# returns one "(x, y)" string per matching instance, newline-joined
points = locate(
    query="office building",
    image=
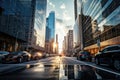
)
(56, 42)
(77, 35)
(70, 42)
(51, 24)
(21, 23)
(40, 23)
(75, 8)
(14, 23)
(28, 14)
(64, 46)
(100, 23)
(50, 32)
(47, 35)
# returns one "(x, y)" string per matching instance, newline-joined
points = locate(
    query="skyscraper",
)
(28, 13)
(20, 14)
(47, 35)
(40, 22)
(69, 42)
(56, 51)
(23, 18)
(75, 8)
(50, 32)
(51, 24)
(99, 23)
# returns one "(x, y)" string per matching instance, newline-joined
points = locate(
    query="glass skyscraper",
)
(100, 21)
(51, 24)
(40, 21)
(16, 23)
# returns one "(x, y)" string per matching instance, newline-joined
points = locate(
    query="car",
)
(110, 55)
(84, 56)
(17, 57)
(36, 55)
(2, 54)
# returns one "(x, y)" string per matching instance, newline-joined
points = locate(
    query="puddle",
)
(60, 72)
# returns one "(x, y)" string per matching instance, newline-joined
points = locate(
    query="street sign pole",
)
(98, 44)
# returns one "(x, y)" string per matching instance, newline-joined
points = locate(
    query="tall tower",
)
(70, 42)
(56, 38)
(50, 31)
(51, 24)
(57, 43)
(75, 8)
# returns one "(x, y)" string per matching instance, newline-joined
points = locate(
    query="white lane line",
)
(61, 70)
(96, 67)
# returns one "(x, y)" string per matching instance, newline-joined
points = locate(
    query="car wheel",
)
(117, 64)
(97, 61)
(19, 60)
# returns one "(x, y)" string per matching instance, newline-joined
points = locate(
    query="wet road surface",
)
(57, 68)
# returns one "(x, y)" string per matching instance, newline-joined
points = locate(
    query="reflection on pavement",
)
(84, 72)
(59, 72)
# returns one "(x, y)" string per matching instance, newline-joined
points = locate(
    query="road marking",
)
(96, 66)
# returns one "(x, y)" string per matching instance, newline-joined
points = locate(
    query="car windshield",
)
(3, 52)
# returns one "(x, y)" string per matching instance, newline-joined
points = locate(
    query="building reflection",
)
(85, 72)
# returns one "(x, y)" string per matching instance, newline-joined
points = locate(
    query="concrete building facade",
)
(70, 42)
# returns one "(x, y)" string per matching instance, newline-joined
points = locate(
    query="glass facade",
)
(76, 33)
(11, 16)
(17, 21)
(40, 21)
(51, 25)
(100, 20)
(47, 35)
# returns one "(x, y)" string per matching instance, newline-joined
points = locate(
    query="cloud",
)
(66, 16)
(61, 27)
(57, 14)
(63, 6)
(51, 4)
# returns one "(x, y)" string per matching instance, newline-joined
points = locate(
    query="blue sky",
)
(64, 13)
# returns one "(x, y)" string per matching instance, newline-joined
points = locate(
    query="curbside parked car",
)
(84, 56)
(36, 55)
(3, 54)
(109, 55)
(17, 57)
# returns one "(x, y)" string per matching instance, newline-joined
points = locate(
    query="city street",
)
(59, 39)
(57, 68)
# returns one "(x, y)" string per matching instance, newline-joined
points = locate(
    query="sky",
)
(64, 14)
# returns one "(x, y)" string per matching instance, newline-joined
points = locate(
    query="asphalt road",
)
(57, 68)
